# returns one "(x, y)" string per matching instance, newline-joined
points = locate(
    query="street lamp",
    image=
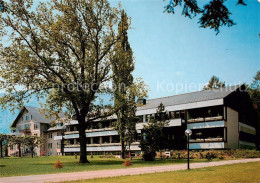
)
(188, 133)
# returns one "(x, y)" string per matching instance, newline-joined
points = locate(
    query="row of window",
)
(97, 140)
(27, 118)
(170, 115)
(50, 145)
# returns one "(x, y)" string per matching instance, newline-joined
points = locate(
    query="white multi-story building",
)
(219, 119)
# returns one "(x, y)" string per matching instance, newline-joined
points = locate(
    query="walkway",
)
(115, 172)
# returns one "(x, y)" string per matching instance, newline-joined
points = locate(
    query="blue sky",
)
(172, 50)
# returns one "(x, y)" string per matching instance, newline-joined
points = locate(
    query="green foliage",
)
(61, 51)
(209, 156)
(3, 143)
(125, 89)
(213, 15)
(214, 83)
(153, 136)
(32, 142)
(19, 141)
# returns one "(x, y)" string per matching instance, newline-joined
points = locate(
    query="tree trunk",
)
(130, 151)
(83, 142)
(32, 152)
(1, 144)
(122, 146)
(6, 151)
(19, 149)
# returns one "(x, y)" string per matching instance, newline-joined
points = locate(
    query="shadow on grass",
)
(2, 166)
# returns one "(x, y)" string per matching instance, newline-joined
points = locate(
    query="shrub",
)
(127, 163)
(209, 156)
(58, 164)
(149, 155)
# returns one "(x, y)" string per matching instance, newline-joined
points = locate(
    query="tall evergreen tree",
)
(153, 137)
(125, 89)
(214, 83)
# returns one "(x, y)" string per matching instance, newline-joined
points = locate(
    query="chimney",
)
(141, 101)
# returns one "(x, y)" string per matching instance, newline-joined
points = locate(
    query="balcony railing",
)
(218, 139)
(200, 119)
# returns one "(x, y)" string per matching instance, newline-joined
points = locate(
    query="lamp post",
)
(188, 133)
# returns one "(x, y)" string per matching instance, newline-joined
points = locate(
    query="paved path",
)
(116, 172)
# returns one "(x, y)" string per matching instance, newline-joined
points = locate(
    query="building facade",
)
(32, 121)
(219, 119)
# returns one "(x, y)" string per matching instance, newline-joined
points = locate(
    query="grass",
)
(45, 165)
(245, 172)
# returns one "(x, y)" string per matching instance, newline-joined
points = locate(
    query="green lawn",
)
(44, 165)
(249, 172)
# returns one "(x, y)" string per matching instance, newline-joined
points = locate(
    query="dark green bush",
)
(210, 155)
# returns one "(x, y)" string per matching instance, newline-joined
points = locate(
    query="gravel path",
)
(115, 172)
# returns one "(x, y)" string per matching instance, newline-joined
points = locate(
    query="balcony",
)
(100, 129)
(200, 119)
(26, 130)
(100, 147)
(57, 137)
(92, 134)
(195, 120)
(175, 122)
(213, 124)
(208, 145)
(218, 139)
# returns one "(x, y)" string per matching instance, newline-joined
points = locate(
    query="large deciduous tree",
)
(60, 50)
(214, 13)
(126, 90)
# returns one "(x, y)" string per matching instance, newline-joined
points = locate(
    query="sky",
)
(173, 55)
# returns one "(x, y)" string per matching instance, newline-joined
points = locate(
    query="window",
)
(35, 134)
(177, 114)
(71, 141)
(27, 126)
(105, 139)
(36, 126)
(26, 118)
(50, 135)
(22, 118)
(31, 117)
(96, 140)
(49, 145)
(172, 116)
(115, 139)
(71, 128)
